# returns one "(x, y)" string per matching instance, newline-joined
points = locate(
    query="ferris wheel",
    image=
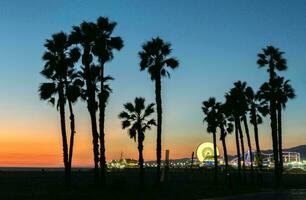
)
(205, 152)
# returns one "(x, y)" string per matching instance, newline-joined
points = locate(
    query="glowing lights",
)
(205, 152)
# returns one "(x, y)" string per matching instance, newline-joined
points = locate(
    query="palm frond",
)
(133, 133)
(126, 124)
(73, 92)
(47, 90)
(149, 110)
(130, 107)
(124, 115)
(116, 43)
(172, 63)
(139, 104)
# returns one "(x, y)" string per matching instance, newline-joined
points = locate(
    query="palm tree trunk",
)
(246, 127)
(225, 154)
(215, 157)
(258, 152)
(192, 158)
(72, 128)
(242, 149)
(95, 141)
(64, 134)
(238, 148)
(280, 145)
(274, 124)
(255, 125)
(91, 106)
(102, 105)
(140, 159)
(159, 126)
(274, 141)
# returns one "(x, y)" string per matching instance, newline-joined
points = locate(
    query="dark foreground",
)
(181, 184)
(291, 194)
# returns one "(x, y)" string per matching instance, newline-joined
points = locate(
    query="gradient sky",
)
(216, 43)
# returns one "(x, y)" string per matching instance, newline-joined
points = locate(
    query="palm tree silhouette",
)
(284, 92)
(74, 86)
(85, 35)
(210, 110)
(58, 69)
(136, 118)
(229, 111)
(244, 98)
(256, 111)
(103, 49)
(155, 58)
(226, 127)
(272, 58)
(237, 106)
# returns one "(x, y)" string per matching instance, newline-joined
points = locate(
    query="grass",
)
(123, 184)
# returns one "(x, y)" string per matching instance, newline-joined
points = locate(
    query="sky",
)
(215, 41)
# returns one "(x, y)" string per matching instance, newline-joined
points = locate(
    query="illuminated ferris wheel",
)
(205, 152)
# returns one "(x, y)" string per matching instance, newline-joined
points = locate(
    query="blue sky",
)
(216, 43)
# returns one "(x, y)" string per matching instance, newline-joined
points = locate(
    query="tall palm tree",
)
(226, 127)
(284, 92)
(272, 58)
(136, 118)
(103, 48)
(73, 85)
(210, 110)
(59, 61)
(244, 99)
(85, 35)
(256, 111)
(155, 57)
(230, 112)
(236, 103)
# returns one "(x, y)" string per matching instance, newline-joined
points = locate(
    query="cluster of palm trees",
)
(242, 103)
(92, 44)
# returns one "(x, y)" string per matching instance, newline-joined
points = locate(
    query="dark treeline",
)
(92, 44)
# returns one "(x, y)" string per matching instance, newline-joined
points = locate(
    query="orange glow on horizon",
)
(34, 149)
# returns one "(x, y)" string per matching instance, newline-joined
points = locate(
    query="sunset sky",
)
(216, 43)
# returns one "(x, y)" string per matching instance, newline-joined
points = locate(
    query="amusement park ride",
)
(205, 155)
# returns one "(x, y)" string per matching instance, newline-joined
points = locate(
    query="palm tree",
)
(210, 110)
(284, 92)
(237, 106)
(256, 111)
(85, 35)
(136, 118)
(73, 85)
(273, 58)
(229, 111)
(155, 58)
(103, 49)
(226, 127)
(59, 62)
(244, 99)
